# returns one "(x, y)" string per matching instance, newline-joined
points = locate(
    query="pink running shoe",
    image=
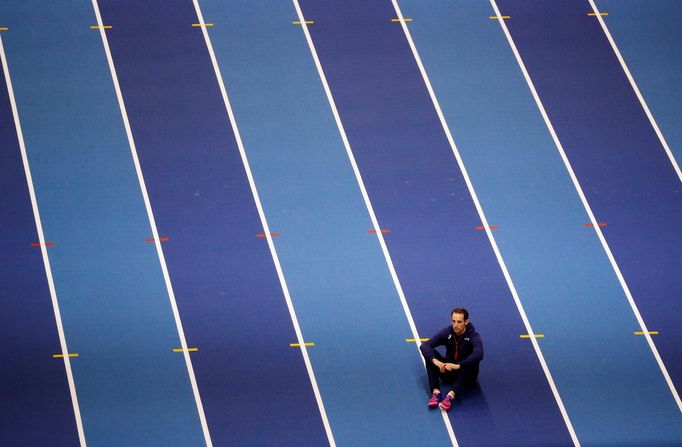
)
(435, 399)
(446, 403)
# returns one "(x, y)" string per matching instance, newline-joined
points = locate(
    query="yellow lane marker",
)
(411, 340)
(398, 20)
(294, 345)
(503, 17)
(528, 336)
(97, 27)
(4, 29)
(595, 15)
(188, 349)
(199, 24)
(307, 22)
(650, 333)
(61, 356)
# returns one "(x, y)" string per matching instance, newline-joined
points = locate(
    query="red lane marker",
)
(481, 227)
(151, 239)
(271, 234)
(47, 244)
(375, 231)
(601, 224)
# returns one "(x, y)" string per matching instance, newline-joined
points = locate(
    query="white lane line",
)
(152, 223)
(266, 228)
(588, 209)
(649, 115)
(43, 250)
(365, 195)
(491, 238)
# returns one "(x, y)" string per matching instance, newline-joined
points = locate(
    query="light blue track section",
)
(341, 288)
(649, 39)
(132, 389)
(558, 265)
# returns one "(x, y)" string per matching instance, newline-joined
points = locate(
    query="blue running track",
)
(132, 389)
(620, 163)
(419, 194)
(210, 184)
(339, 281)
(36, 406)
(552, 257)
(224, 277)
(649, 39)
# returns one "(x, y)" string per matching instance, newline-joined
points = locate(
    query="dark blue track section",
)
(254, 387)
(418, 193)
(36, 406)
(620, 163)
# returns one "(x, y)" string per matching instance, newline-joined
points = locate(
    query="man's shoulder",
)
(444, 333)
(471, 333)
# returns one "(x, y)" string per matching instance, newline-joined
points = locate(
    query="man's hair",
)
(460, 310)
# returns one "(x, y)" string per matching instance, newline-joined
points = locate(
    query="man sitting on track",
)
(459, 367)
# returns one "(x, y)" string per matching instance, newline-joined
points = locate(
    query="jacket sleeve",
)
(477, 354)
(428, 347)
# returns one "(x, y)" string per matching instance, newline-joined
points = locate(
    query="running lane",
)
(558, 265)
(254, 386)
(338, 277)
(419, 194)
(649, 39)
(132, 389)
(36, 405)
(626, 176)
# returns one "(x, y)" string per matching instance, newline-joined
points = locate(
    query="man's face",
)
(459, 324)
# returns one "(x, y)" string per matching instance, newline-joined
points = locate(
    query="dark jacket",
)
(465, 350)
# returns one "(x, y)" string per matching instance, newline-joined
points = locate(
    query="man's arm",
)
(428, 347)
(477, 354)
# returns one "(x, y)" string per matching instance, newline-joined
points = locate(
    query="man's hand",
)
(442, 367)
(450, 367)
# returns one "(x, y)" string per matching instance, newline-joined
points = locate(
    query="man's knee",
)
(467, 378)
